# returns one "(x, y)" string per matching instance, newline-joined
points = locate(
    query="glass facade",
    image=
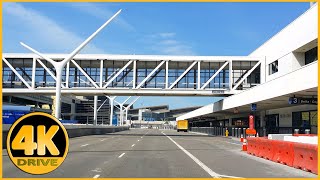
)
(273, 67)
(311, 55)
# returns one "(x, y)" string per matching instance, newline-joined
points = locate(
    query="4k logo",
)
(37, 143)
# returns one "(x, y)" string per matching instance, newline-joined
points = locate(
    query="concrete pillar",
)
(262, 119)
(121, 115)
(73, 111)
(95, 110)
(230, 122)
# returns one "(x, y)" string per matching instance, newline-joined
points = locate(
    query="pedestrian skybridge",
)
(141, 75)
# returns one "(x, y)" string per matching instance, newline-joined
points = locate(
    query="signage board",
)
(253, 107)
(300, 100)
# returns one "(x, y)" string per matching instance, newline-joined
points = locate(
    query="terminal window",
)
(273, 67)
(311, 55)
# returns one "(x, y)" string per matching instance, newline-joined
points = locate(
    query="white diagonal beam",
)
(16, 73)
(102, 104)
(85, 73)
(116, 75)
(183, 74)
(39, 54)
(151, 73)
(246, 75)
(48, 70)
(214, 75)
(132, 102)
(82, 45)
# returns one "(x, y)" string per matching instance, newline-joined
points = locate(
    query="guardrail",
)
(74, 131)
(214, 131)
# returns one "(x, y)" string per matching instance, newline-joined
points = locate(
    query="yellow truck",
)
(182, 125)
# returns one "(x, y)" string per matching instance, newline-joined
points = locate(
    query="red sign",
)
(251, 122)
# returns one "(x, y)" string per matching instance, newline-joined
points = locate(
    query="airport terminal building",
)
(286, 98)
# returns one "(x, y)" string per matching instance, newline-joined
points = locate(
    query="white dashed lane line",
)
(83, 145)
(96, 176)
(133, 145)
(121, 155)
(102, 139)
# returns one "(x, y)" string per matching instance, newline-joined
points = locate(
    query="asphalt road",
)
(158, 153)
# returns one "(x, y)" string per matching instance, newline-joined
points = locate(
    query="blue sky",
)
(147, 28)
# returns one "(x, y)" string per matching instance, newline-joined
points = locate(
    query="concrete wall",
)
(74, 131)
(298, 33)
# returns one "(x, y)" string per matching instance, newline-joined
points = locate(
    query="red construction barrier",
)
(305, 135)
(283, 152)
(253, 145)
(306, 157)
(266, 149)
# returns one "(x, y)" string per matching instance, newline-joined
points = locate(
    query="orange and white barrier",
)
(244, 145)
(241, 138)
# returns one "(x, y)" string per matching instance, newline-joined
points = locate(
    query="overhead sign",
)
(253, 107)
(300, 100)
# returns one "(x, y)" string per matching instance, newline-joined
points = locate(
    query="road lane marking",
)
(201, 164)
(97, 170)
(198, 133)
(225, 176)
(121, 155)
(83, 145)
(96, 176)
(141, 137)
(102, 139)
(133, 145)
(138, 140)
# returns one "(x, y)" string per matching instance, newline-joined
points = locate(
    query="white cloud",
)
(52, 36)
(167, 43)
(102, 13)
(167, 35)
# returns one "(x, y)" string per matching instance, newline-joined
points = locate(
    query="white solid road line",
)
(96, 176)
(83, 145)
(198, 133)
(201, 164)
(121, 155)
(133, 145)
(225, 176)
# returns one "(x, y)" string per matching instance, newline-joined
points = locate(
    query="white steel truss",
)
(106, 75)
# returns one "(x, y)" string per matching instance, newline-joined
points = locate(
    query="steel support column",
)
(95, 110)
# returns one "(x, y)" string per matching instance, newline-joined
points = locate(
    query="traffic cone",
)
(257, 134)
(244, 145)
(241, 138)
